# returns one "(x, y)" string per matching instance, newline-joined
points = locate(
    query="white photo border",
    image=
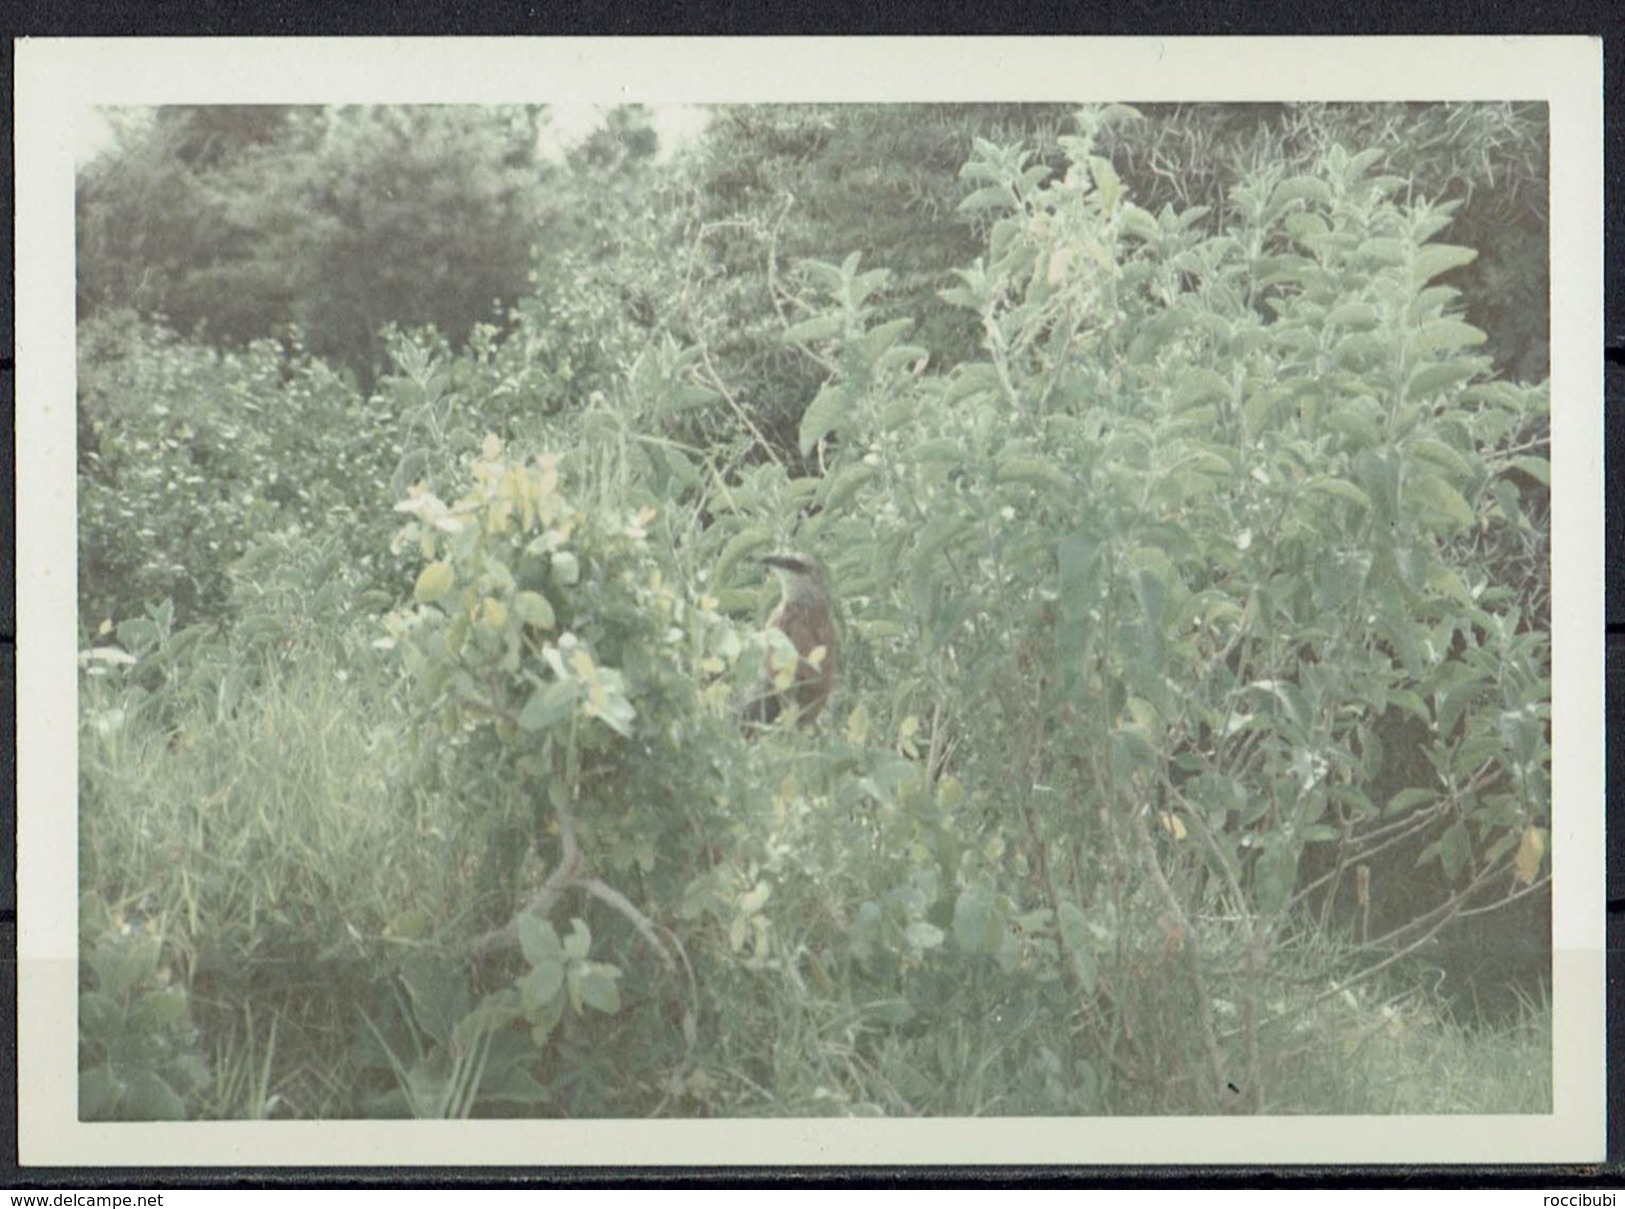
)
(58, 82)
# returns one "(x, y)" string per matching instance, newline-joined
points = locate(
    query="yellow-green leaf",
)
(493, 613)
(434, 581)
(1442, 499)
(534, 609)
(1530, 849)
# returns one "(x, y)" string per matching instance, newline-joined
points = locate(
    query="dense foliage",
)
(234, 222)
(1195, 663)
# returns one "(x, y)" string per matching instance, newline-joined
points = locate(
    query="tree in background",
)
(774, 184)
(233, 222)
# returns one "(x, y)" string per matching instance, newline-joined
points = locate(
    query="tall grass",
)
(291, 853)
(279, 849)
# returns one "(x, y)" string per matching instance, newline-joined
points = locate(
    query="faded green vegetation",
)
(1191, 555)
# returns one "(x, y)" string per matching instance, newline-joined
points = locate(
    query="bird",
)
(806, 616)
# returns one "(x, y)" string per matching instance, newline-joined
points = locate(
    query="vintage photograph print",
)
(706, 602)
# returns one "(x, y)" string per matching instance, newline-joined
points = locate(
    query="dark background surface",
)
(193, 18)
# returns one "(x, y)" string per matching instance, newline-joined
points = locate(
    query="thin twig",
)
(562, 877)
(608, 894)
(1191, 947)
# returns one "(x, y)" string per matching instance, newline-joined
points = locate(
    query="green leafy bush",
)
(1205, 514)
(567, 677)
(235, 222)
(189, 457)
(1178, 621)
(139, 1054)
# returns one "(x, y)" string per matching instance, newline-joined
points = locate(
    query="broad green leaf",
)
(410, 924)
(1379, 475)
(940, 532)
(1107, 181)
(1337, 580)
(1155, 334)
(739, 546)
(1439, 258)
(1358, 348)
(541, 985)
(969, 380)
(827, 276)
(1407, 800)
(1431, 302)
(534, 609)
(438, 988)
(1132, 752)
(1261, 405)
(975, 928)
(1138, 223)
(537, 939)
(1073, 925)
(1361, 162)
(1410, 702)
(597, 985)
(137, 634)
(433, 582)
(612, 708)
(938, 449)
(1341, 488)
(1035, 472)
(1455, 850)
(1199, 386)
(1443, 336)
(818, 328)
(864, 284)
(1352, 314)
(159, 1010)
(989, 197)
(1436, 451)
(1539, 469)
(148, 1098)
(579, 943)
(549, 705)
(1274, 875)
(755, 899)
(1305, 228)
(1434, 378)
(824, 414)
(1307, 188)
(878, 339)
(857, 725)
(493, 614)
(123, 964)
(101, 1017)
(1383, 250)
(845, 483)
(1444, 505)
(545, 1019)
(566, 568)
